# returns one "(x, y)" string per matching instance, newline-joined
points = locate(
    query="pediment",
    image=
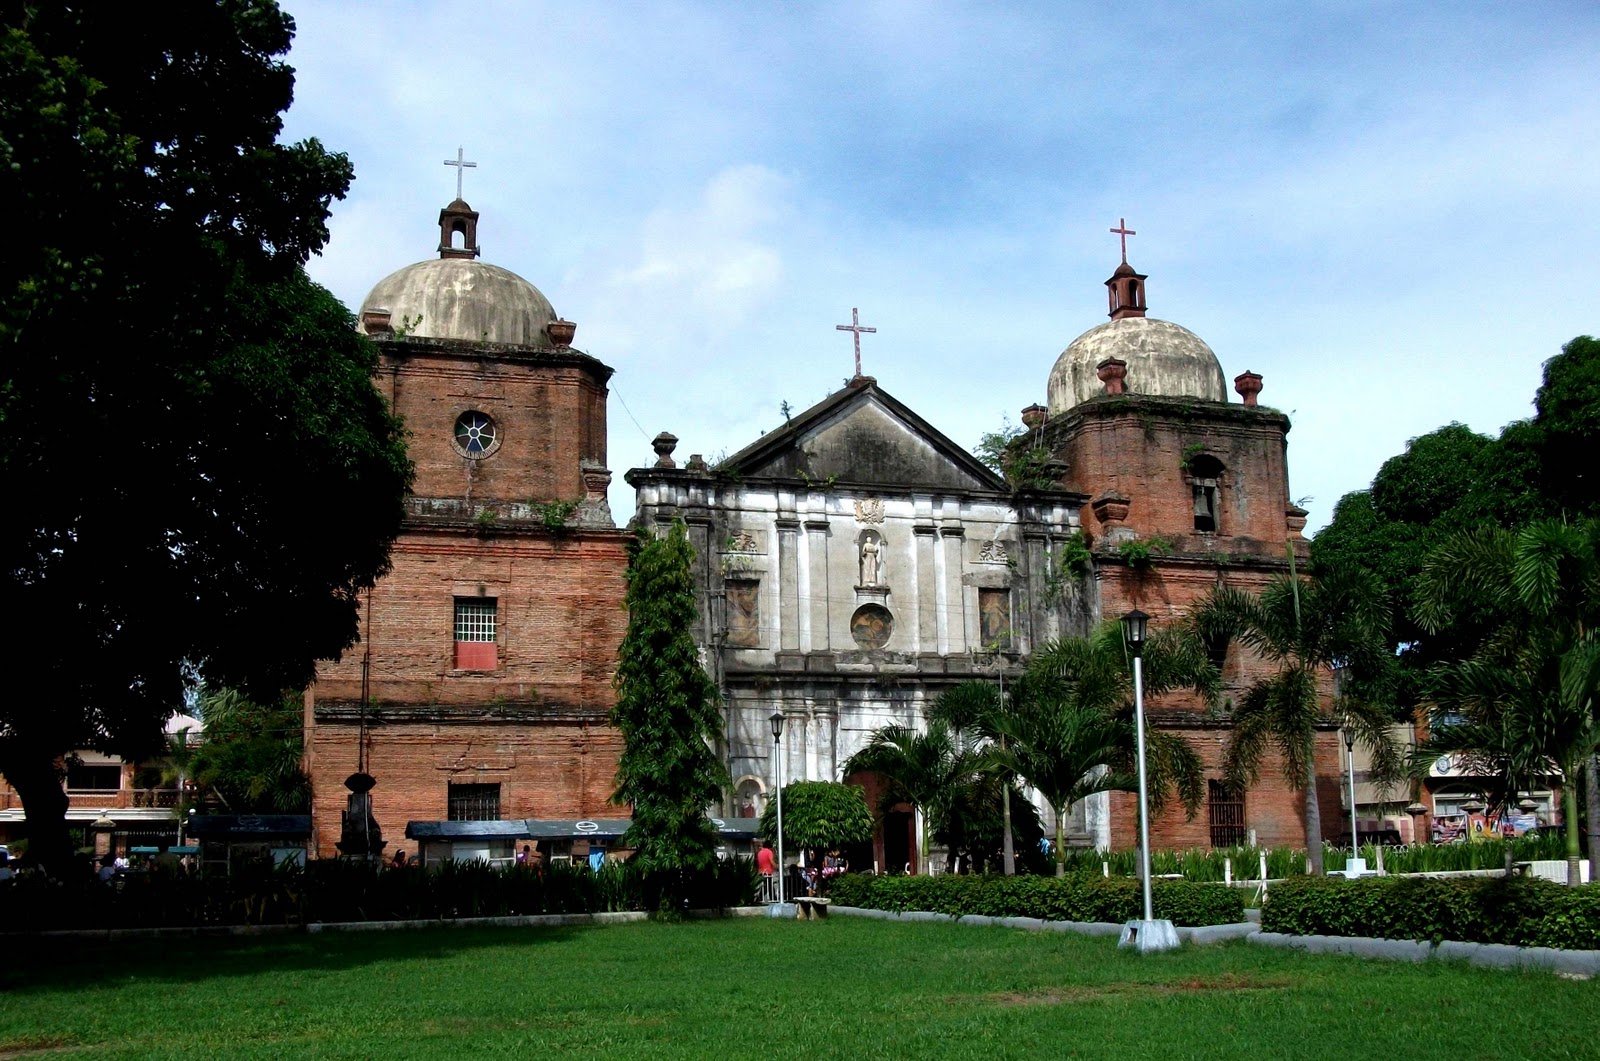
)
(862, 436)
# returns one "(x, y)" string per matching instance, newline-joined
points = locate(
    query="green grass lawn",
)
(754, 988)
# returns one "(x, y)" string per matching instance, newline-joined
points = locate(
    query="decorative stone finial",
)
(1034, 415)
(1294, 515)
(697, 463)
(1248, 384)
(1112, 372)
(376, 321)
(1111, 507)
(664, 444)
(561, 332)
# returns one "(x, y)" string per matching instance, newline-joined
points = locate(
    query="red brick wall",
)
(549, 415)
(1136, 447)
(560, 619)
(535, 723)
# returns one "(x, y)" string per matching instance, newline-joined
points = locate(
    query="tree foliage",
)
(1527, 697)
(249, 754)
(819, 815)
(1069, 730)
(666, 711)
(1305, 628)
(209, 476)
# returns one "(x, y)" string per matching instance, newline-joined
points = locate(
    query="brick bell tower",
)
(481, 685)
(1188, 490)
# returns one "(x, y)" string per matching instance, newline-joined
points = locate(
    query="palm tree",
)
(930, 771)
(976, 707)
(1069, 731)
(1306, 629)
(1527, 697)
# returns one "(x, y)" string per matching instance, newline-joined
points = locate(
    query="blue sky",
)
(1391, 212)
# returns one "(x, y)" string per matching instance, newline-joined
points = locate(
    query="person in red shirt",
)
(766, 862)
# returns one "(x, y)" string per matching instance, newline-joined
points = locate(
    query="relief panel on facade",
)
(994, 619)
(744, 614)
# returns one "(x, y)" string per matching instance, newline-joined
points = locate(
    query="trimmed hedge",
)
(1070, 898)
(342, 890)
(1530, 913)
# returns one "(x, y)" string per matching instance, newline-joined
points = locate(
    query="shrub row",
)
(1519, 911)
(1076, 897)
(1207, 864)
(340, 890)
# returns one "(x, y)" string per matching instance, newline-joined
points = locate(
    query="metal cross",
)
(857, 327)
(462, 165)
(1122, 229)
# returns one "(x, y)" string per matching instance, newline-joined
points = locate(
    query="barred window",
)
(1226, 805)
(474, 803)
(475, 618)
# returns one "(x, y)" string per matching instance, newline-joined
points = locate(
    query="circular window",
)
(871, 626)
(476, 435)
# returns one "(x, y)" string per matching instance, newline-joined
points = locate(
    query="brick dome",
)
(1163, 359)
(463, 298)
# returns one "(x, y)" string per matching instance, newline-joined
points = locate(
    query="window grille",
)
(474, 803)
(1227, 814)
(475, 619)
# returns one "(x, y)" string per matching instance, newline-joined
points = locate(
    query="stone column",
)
(820, 583)
(953, 608)
(925, 588)
(788, 585)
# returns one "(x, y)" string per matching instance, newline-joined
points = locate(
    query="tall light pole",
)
(1357, 865)
(1147, 935)
(776, 722)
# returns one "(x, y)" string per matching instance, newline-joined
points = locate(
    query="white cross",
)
(462, 165)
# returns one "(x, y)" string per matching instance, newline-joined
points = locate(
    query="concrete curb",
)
(1209, 934)
(1484, 955)
(619, 917)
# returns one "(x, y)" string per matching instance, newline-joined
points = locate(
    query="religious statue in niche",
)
(871, 547)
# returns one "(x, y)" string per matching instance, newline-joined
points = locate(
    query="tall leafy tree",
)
(1528, 696)
(205, 478)
(667, 712)
(819, 815)
(1304, 629)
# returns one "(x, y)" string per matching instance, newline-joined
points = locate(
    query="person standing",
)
(766, 865)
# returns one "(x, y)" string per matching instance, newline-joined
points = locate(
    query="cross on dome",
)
(857, 328)
(462, 165)
(1124, 231)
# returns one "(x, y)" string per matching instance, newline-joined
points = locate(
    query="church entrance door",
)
(897, 827)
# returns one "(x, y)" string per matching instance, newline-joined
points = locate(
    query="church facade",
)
(855, 563)
(481, 686)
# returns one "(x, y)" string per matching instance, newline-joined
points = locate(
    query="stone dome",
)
(463, 298)
(1163, 359)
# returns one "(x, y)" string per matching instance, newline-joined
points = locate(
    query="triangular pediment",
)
(863, 436)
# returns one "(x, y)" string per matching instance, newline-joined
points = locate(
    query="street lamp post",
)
(1357, 865)
(776, 722)
(1147, 935)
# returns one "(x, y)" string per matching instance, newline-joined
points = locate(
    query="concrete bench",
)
(810, 908)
